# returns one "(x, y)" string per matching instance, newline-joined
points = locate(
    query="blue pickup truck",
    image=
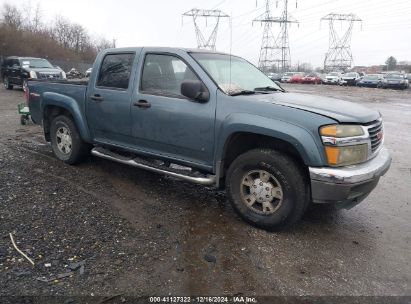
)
(216, 120)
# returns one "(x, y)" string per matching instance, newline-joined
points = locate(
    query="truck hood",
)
(337, 109)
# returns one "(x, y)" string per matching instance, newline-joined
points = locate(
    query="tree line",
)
(23, 32)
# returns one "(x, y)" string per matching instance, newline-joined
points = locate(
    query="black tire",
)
(289, 175)
(24, 120)
(78, 150)
(7, 84)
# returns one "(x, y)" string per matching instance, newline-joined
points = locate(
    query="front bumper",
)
(368, 84)
(349, 185)
(331, 81)
(394, 85)
(348, 81)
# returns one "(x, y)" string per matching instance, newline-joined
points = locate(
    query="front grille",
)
(375, 129)
(48, 75)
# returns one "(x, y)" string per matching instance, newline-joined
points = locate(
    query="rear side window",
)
(115, 71)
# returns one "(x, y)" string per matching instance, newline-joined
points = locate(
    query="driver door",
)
(166, 123)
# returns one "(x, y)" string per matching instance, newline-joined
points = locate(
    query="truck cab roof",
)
(162, 49)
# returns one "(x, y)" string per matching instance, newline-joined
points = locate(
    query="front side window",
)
(115, 71)
(163, 75)
(15, 63)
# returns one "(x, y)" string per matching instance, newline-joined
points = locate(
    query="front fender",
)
(302, 139)
(71, 105)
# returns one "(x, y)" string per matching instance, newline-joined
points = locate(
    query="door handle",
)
(97, 98)
(142, 104)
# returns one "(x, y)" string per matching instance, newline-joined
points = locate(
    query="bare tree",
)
(102, 44)
(23, 33)
(35, 21)
(391, 63)
(12, 17)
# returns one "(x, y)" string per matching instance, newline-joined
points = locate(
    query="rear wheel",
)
(267, 189)
(66, 142)
(7, 84)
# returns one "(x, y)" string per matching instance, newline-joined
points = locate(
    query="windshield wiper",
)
(269, 88)
(243, 92)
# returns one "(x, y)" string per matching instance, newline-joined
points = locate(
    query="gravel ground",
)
(139, 233)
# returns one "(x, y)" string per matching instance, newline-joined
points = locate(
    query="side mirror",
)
(195, 89)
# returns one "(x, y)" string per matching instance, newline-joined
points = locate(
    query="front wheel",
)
(66, 142)
(7, 84)
(267, 189)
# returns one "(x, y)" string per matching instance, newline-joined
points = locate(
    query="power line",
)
(204, 42)
(339, 56)
(275, 51)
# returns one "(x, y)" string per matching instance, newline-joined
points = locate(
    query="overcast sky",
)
(385, 31)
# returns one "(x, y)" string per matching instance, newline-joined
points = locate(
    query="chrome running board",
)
(206, 180)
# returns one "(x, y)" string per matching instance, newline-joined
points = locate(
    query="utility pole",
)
(202, 42)
(339, 56)
(275, 51)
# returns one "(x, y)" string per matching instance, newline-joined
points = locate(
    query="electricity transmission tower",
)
(202, 42)
(275, 51)
(339, 56)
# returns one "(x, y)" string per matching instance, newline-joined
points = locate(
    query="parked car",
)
(395, 80)
(287, 76)
(332, 78)
(370, 80)
(297, 77)
(274, 152)
(88, 72)
(311, 78)
(18, 70)
(350, 79)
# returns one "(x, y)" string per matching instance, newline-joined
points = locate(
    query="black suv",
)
(18, 70)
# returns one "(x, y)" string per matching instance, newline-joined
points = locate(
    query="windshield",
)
(334, 74)
(395, 76)
(36, 63)
(371, 77)
(289, 74)
(351, 75)
(242, 76)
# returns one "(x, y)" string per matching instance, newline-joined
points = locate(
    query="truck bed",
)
(40, 91)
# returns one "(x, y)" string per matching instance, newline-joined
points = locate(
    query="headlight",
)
(33, 74)
(346, 155)
(344, 144)
(342, 130)
(63, 75)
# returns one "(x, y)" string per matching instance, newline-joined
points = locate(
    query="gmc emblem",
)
(380, 135)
